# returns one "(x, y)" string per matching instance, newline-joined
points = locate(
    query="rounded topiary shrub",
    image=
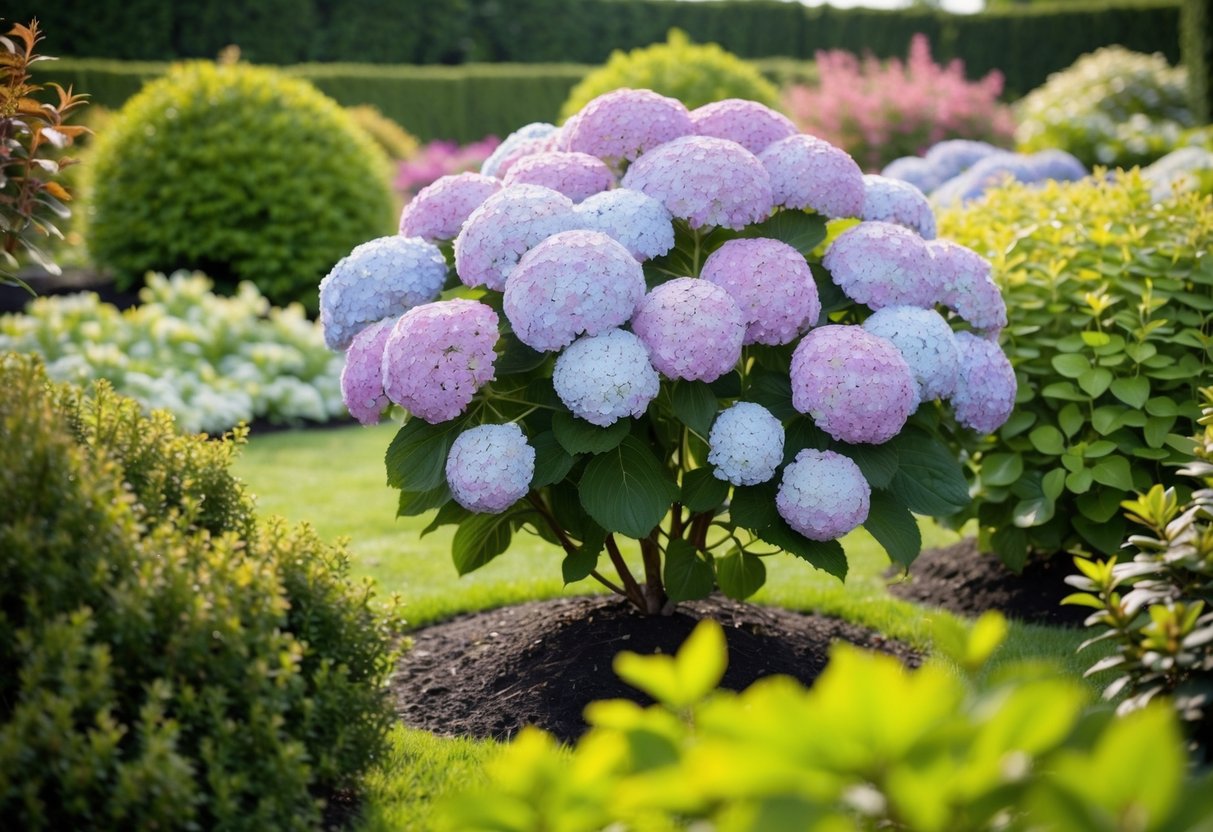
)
(695, 74)
(169, 663)
(239, 172)
(1110, 295)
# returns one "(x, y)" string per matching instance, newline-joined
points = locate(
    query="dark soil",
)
(14, 298)
(541, 663)
(963, 580)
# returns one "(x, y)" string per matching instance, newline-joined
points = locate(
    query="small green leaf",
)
(1070, 419)
(740, 574)
(1001, 469)
(1010, 543)
(1095, 382)
(1162, 406)
(695, 405)
(1048, 440)
(1079, 482)
(701, 491)
(1063, 390)
(827, 556)
(1071, 365)
(701, 661)
(1035, 511)
(413, 503)
(416, 458)
(1096, 339)
(578, 565)
(1017, 424)
(894, 528)
(516, 357)
(753, 506)
(1113, 471)
(687, 576)
(1132, 391)
(627, 490)
(578, 436)
(1053, 483)
(479, 539)
(552, 461)
(1157, 429)
(774, 392)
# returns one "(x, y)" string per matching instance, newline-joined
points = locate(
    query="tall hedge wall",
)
(1197, 48)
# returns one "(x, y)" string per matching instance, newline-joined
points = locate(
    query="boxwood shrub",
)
(237, 171)
(169, 662)
(1110, 298)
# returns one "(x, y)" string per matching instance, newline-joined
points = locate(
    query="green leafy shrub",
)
(239, 172)
(392, 139)
(695, 74)
(1112, 107)
(211, 361)
(1157, 609)
(1110, 297)
(170, 663)
(869, 746)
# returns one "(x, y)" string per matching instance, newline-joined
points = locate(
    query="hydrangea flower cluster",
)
(807, 172)
(771, 283)
(440, 209)
(504, 227)
(692, 329)
(925, 341)
(752, 125)
(362, 376)
(490, 467)
(537, 135)
(625, 124)
(576, 175)
(823, 495)
(746, 444)
(985, 384)
(880, 264)
(605, 378)
(891, 200)
(641, 223)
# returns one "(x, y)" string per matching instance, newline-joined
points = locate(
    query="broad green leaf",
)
(929, 479)
(1071, 419)
(578, 436)
(827, 556)
(686, 574)
(800, 434)
(1113, 471)
(516, 357)
(1162, 406)
(479, 539)
(740, 574)
(1034, 511)
(1010, 543)
(416, 458)
(894, 528)
(695, 405)
(1079, 482)
(1063, 390)
(802, 231)
(701, 491)
(451, 514)
(1001, 469)
(578, 565)
(774, 392)
(1071, 365)
(627, 490)
(1017, 424)
(1106, 537)
(552, 461)
(1095, 382)
(413, 503)
(753, 506)
(1157, 429)
(1132, 391)
(1102, 504)
(1048, 440)
(877, 463)
(1054, 483)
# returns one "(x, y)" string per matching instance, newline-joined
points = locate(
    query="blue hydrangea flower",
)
(925, 341)
(535, 130)
(823, 495)
(746, 444)
(953, 157)
(916, 171)
(490, 467)
(604, 378)
(382, 278)
(642, 224)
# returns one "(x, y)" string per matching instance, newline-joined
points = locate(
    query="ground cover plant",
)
(174, 662)
(881, 110)
(1113, 300)
(211, 361)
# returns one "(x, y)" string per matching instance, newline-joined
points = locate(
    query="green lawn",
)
(334, 479)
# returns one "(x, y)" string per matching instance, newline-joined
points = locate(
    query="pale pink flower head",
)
(772, 285)
(985, 386)
(752, 125)
(362, 375)
(808, 172)
(823, 495)
(576, 175)
(692, 328)
(490, 467)
(892, 200)
(621, 125)
(881, 264)
(968, 286)
(505, 227)
(441, 208)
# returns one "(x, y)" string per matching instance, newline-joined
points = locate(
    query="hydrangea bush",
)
(688, 369)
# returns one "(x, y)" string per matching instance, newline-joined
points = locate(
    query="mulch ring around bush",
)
(965, 581)
(489, 674)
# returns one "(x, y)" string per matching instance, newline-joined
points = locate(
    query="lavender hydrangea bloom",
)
(985, 386)
(916, 171)
(573, 283)
(891, 200)
(639, 222)
(746, 444)
(623, 124)
(379, 279)
(440, 209)
(990, 172)
(576, 175)
(692, 329)
(881, 264)
(823, 495)
(925, 341)
(362, 375)
(855, 385)
(772, 285)
(704, 181)
(603, 378)
(438, 355)
(501, 230)
(808, 172)
(508, 149)
(490, 467)
(953, 157)
(968, 286)
(1057, 165)
(752, 125)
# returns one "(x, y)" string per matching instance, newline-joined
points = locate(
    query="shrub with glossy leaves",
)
(237, 171)
(170, 663)
(1111, 296)
(695, 74)
(870, 746)
(1111, 107)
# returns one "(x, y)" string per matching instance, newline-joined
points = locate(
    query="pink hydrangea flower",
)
(772, 285)
(985, 385)
(968, 286)
(530, 138)
(925, 341)
(576, 175)
(573, 283)
(881, 264)
(704, 181)
(440, 209)
(752, 125)
(892, 200)
(623, 124)
(639, 222)
(490, 467)
(362, 375)
(518, 151)
(823, 495)
(504, 228)
(855, 385)
(605, 378)
(438, 355)
(807, 172)
(692, 329)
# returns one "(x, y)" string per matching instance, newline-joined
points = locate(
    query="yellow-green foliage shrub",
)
(392, 139)
(239, 172)
(1110, 300)
(169, 662)
(695, 74)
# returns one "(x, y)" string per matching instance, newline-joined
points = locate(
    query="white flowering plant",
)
(682, 341)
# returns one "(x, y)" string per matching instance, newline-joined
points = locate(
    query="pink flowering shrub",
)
(441, 158)
(879, 111)
(648, 348)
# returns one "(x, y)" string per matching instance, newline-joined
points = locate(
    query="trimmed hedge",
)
(1197, 46)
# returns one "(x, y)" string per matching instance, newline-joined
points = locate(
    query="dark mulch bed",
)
(961, 579)
(541, 663)
(14, 298)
